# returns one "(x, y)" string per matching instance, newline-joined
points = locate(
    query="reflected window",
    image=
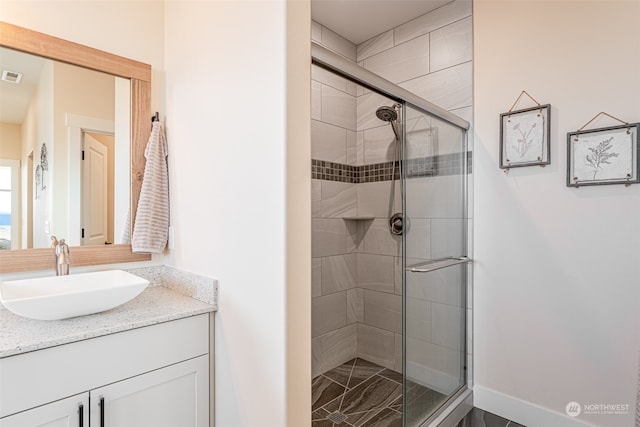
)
(5, 207)
(8, 203)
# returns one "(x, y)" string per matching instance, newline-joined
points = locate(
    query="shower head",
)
(387, 114)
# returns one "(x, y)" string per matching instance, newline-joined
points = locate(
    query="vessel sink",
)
(61, 297)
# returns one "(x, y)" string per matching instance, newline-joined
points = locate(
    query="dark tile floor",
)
(363, 394)
(479, 418)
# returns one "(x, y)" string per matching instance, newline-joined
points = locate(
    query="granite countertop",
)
(154, 305)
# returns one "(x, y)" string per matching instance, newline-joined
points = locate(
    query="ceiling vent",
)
(11, 76)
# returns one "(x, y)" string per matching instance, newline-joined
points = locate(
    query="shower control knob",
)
(396, 224)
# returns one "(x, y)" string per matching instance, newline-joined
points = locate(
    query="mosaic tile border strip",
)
(445, 164)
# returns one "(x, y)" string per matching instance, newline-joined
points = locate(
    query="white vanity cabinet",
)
(154, 376)
(70, 412)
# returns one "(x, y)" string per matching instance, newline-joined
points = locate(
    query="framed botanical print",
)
(603, 156)
(525, 137)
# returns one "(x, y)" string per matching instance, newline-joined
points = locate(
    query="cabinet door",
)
(177, 395)
(70, 412)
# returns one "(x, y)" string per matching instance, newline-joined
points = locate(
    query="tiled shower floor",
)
(362, 394)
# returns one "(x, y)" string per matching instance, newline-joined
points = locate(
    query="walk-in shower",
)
(389, 252)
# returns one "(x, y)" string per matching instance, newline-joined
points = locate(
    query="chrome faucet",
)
(62, 256)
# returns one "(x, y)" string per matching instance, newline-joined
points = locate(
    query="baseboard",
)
(520, 411)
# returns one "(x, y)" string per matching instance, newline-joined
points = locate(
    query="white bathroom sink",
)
(61, 297)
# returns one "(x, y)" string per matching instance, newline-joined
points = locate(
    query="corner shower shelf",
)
(358, 218)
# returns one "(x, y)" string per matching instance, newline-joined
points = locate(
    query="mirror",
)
(64, 131)
(48, 170)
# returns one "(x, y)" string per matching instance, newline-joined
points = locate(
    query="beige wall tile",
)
(398, 353)
(374, 45)
(373, 199)
(316, 277)
(431, 21)
(338, 273)
(379, 144)
(439, 197)
(316, 100)
(328, 142)
(435, 366)
(355, 305)
(383, 310)
(339, 199)
(338, 347)
(328, 78)
(376, 345)
(338, 108)
(316, 198)
(376, 272)
(352, 148)
(443, 286)
(451, 45)
(316, 357)
(328, 237)
(447, 325)
(338, 44)
(329, 312)
(402, 62)
(447, 237)
(449, 88)
(418, 313)
(379, 240)
(418, 237)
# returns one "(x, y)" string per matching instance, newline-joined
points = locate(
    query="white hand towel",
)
(151, 226)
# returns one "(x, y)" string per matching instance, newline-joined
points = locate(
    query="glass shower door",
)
(435, 264)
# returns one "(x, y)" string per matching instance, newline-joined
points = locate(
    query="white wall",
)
(236, 171)
(133, 29)
(556, 315)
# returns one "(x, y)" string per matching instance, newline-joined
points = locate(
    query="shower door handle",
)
(438, 264)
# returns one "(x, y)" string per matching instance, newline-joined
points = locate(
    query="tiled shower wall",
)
(357, 289)
(334, 240)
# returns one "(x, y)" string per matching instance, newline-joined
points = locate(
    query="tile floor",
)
(363, 394)
(479, 418)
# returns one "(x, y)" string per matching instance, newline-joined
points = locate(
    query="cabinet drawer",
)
(32, 379)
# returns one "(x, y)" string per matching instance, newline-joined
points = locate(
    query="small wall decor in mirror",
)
(525, 136)
(100, 112)
(607, 155)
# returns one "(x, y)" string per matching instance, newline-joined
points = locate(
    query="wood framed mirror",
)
(139, 74)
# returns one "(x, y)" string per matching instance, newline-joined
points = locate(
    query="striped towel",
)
(151, 227)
